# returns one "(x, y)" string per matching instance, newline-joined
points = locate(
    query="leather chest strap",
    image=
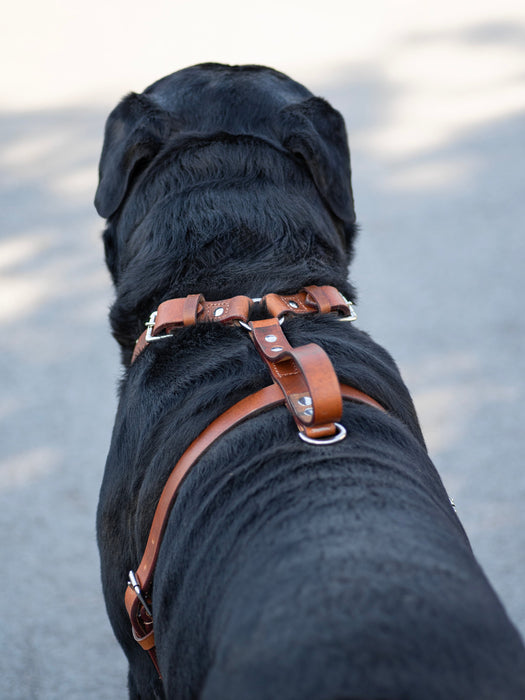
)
(138, 597)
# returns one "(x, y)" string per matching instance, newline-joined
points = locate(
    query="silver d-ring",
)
(340, 435)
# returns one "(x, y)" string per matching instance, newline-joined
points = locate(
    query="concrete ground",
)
(435, 107)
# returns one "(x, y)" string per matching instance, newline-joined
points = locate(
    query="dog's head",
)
(212, 98)
(213, 179)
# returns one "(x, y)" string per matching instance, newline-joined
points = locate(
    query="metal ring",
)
(340, 435)
(352, 316)
(150, 325)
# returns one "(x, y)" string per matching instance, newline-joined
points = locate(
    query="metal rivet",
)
(305, 401)
(219, 311)
(270, 338)
(293, 304)
(308, 412)
(277, 348)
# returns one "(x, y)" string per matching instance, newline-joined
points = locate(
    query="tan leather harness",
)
(304, 380)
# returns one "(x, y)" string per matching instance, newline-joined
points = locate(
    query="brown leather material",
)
(252, 405)
(190, 309)
(310, 300)
(278, 305)
(147, 641)
(226, 311)
(248, 407)
(327, 300)
(140, 345)
(141, 628)
(141, 622)
(194, 309)
(321, 299)
(170, 315)
(306, 377)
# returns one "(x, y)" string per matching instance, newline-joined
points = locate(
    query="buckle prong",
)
(150, 325)
(352, 316)
(135, 587)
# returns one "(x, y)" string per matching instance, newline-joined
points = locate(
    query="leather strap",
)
(311, 299)
(306, 377)
(263, 400)
(190, 311)
(194, 309)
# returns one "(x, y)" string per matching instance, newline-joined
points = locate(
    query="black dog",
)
(287, 571)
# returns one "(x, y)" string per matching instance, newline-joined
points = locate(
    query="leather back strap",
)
(306, 377)
(135, 597)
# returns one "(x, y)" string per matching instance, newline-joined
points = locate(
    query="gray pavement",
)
(438, 168)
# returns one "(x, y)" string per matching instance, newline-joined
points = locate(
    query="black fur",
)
(287, 571)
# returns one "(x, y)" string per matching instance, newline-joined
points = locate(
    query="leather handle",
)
(306, 377)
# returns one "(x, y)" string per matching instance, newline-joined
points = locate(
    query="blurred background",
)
(434, 99)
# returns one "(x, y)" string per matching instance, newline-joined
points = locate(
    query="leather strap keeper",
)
(310, 300)
(190, 309)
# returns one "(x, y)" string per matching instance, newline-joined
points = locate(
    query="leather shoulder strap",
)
(263, 400)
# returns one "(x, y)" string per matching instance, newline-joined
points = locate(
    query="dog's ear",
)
(316, 132)
(135, 132)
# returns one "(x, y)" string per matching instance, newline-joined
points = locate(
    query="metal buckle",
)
(353, 315)
(135, 587)
(340, 435)
(150, 325)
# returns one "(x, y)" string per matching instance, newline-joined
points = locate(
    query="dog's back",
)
(336, 575)
(287, 571)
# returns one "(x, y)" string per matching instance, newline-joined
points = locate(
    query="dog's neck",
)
(226, 238)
